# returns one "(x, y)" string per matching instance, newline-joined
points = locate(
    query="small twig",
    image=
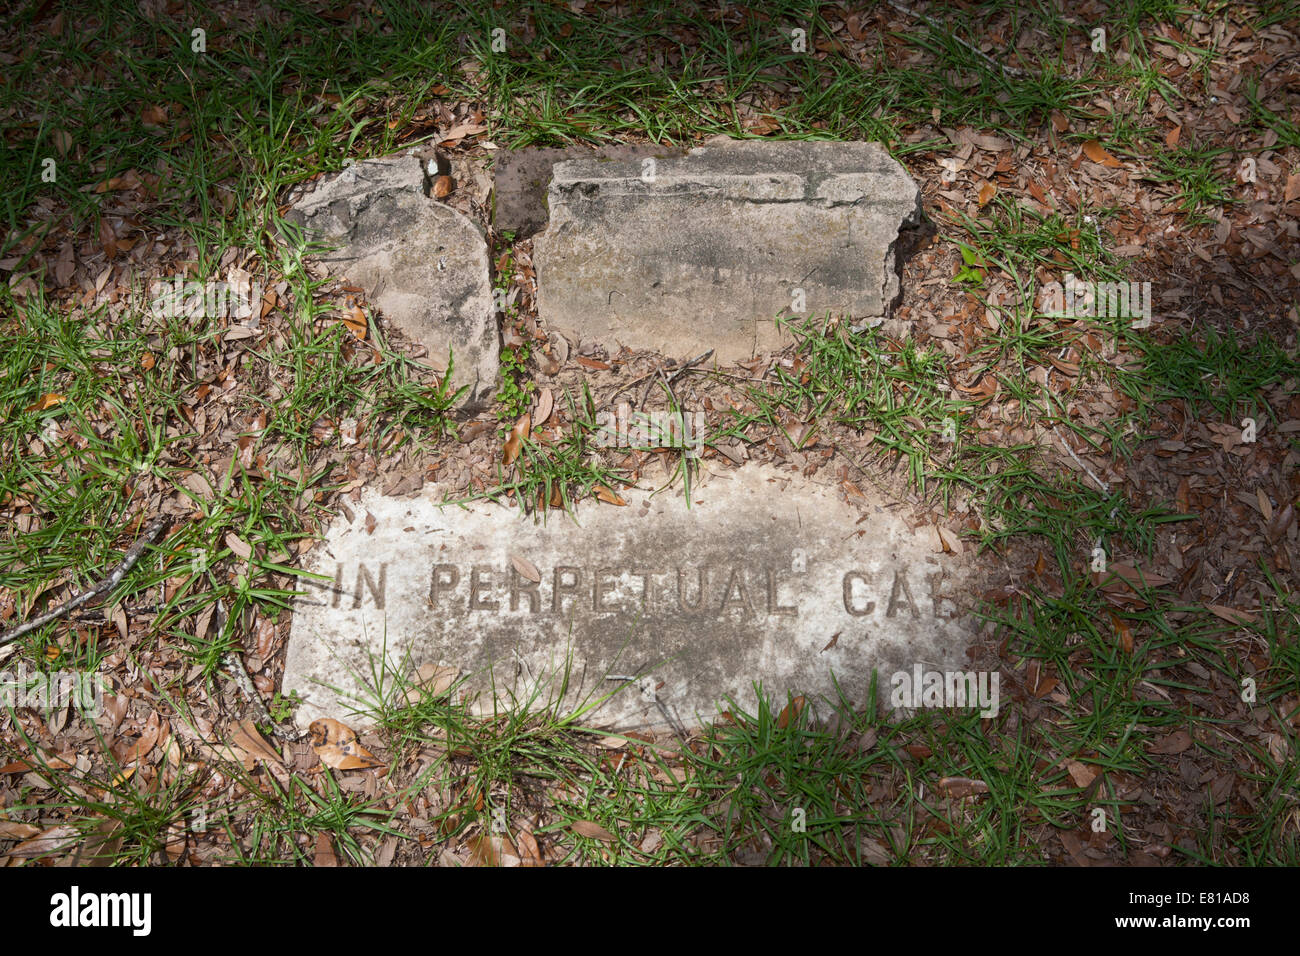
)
(105, 585)
(677, 370)
(235, 664)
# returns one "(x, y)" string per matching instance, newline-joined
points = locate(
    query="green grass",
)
(218, 136)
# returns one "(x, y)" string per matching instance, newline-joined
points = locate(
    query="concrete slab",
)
(764, 579)
(703, 251)
(421, 262)
(521, 178)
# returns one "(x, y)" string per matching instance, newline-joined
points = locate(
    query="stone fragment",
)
(705, 250)
(421, 262)
(766, 578)
(521, 177)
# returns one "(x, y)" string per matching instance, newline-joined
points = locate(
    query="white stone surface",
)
(785, 567)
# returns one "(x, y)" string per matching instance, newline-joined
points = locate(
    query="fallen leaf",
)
(249, 739)
(48, 400)
(488, 850)
(1231, 615)
(355, 320)
(10, 830)
(987, 192)
(515, 440)
(237, 545)
(608, 496)
(790, 712)
(337, 746)
(1080, 773)
(1174, 743)
(457, 133)
(593, 364)
(960, 787)
(592, 830)
(432, 680)
(54, 840)
(1094, 151)
(526, 568)
(530, 853)
(324, 851)
(545, 404)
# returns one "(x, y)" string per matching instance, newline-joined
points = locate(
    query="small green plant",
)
(516, 393)
(973, 266)
(281, 707)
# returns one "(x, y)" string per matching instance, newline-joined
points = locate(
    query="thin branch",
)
(105, 585)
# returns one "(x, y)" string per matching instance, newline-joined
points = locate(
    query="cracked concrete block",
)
(421, 262)
(765, 578)
(705, 250)
(521, 178)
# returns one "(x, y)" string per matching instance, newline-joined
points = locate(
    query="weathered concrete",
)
(420, 261)
(703, 251)
(764, 578)
(521, 177)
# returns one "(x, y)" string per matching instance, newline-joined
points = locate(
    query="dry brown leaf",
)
(790, 712)
(11, 830)
(1094, 151)
(457, 133)
(249, 739)
(238, 546)
(987, 192)
(1136, 577)
(432, 680)
(48, 400)
(960, 787)
(545, 404)
(1292, 190)
(1231, 615)
(608, 496)
(488, 850)
(324, 851)
(142, 747)
(338, 748)
(529, 852)
(355, 320)
(1171, 744)
(592, 830)
(515, 440)
(1080, 773)
(525, 568)
(54, 840)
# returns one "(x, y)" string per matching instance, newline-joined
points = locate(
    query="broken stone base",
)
(672, 611)
(421, 262)
(702, 251)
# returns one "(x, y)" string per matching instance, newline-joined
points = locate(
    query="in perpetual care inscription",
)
(717, 590)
